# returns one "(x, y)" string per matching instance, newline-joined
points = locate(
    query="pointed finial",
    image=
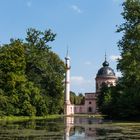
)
(67, 53)
(105, 63)
(105, 55)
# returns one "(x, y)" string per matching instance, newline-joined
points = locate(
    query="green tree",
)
(31, 76)
(122, 101)
(104, 100)
(45, 69)
(77, 99)
(39, 39)
(12, 66)
(72, 97)
(129, 65)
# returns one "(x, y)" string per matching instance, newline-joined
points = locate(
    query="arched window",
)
(89, 109)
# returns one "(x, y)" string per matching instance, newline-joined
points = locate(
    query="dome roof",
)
(105, 71)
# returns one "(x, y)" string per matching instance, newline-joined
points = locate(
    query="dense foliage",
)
(123, 101)
(77, 99)
(31, 76)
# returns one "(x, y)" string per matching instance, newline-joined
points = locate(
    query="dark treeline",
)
(123, 101)
(77, 99)
(31, 76)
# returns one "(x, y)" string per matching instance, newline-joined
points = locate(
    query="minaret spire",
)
(105, 55)
(67, 53)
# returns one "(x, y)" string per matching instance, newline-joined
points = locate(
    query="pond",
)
(69, 128)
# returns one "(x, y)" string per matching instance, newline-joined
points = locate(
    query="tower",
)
(68, 108)
(67, 80)
(105, 75)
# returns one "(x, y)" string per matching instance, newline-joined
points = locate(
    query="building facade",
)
(105, 75)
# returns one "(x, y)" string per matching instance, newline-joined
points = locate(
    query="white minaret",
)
(68, 108)
(67, 80)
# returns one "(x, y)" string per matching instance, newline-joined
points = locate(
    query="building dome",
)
(105, 71)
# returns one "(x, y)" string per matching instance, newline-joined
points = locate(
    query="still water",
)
(69, 128)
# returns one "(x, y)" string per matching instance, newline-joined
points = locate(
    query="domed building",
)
(105, 75)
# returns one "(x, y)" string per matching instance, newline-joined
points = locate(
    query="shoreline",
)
(26, 118)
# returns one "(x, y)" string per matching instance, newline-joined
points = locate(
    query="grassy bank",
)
(25, 118)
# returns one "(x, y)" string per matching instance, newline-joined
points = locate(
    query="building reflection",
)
(80, 127)
(69, 124)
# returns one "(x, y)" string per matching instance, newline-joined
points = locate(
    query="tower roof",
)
(67, 54)
(105, 71)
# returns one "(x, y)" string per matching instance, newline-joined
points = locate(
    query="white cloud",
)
(88, 63)
(29, 3)
(117, 0)
(79, 81)
(115, 57)
(81, 85)
(76, 9)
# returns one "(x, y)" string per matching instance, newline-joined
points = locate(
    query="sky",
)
(87, 27)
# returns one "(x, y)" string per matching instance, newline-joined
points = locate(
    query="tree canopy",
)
(31, 76)
(124, 99)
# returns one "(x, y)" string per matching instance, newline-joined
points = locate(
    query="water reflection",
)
(80, 128)
(69, 128)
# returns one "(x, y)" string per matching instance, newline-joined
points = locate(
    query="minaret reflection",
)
(69, 123)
